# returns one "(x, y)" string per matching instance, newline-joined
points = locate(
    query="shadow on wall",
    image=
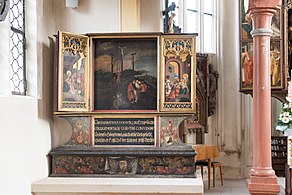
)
(60, 129)
(45, 103)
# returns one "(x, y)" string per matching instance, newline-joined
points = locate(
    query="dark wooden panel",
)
(279, 154)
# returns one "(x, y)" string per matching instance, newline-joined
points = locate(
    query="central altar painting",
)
(125, 74)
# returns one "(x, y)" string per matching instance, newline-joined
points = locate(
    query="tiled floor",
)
(235, 187)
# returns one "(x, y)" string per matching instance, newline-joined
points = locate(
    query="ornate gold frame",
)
(180, 49)
(73, 97)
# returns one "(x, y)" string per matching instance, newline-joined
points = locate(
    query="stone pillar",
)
(262, 176)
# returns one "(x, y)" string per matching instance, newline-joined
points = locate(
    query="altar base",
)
(121, 186)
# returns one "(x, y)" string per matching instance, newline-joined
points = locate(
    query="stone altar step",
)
(121, 186)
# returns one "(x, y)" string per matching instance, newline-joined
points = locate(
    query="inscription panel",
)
(124, 131)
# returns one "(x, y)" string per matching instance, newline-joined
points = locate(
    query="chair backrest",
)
(206, 151)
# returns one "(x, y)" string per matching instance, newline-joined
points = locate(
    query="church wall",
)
(231, 127)
(89, 17)
(27, 122)
(25, 129)
(151, 16)
(24, 145)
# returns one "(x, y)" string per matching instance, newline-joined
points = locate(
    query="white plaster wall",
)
(24, 145)
(91, 16)
(151, 16)
(4, 56)
(31, 48)
(247, 134)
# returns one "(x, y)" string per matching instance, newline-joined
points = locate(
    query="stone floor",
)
(235, 187)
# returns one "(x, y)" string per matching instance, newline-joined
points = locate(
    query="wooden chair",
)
(214, 165)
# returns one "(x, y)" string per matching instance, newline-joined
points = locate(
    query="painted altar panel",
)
(73, 75)
(125, 73)
(177, 91)
(278, 68)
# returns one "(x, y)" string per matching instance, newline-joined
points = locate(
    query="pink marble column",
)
(262, 176)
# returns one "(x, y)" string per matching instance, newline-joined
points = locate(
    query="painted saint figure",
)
(183, 89)
(131, 92)
(187, 82)
(118, 77)
(136, 91)
(275, 66)
(168, 86)
(70, 82)
(171, 22)
(247, 62)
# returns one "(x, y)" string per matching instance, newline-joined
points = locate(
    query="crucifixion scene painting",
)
(125, 75)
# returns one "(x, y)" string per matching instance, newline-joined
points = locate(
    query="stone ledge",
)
(92, 186)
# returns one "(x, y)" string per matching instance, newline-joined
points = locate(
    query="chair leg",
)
(202, 171)
(221, 175)
(214, 175)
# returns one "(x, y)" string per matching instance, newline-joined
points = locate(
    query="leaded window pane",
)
(17, 48)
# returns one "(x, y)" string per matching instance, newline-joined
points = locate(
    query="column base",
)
(263, 185)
